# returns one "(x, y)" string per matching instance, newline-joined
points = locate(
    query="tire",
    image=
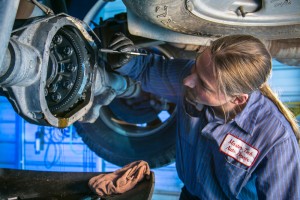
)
(157, 149)
(120, 136)
(174, 15)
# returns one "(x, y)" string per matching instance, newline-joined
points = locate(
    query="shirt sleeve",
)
(279, 178)
(158, 75)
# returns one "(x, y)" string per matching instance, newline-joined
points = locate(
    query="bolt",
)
(68, 84)
(71, 67)
(51, 45)
(31, 62)
(189, 6)
(57, 39)
(45, 92)
(37, 115)
(68, 51)
(56, 97)
(53, 88)
(241, 10)
(83, 96)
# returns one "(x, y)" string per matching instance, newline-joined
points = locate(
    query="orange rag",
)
(121, 180)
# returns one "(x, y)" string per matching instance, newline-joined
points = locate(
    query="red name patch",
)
(239, 150)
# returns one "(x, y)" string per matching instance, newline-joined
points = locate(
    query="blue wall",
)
(27, 146)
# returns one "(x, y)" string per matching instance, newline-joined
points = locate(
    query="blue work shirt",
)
(254, 156)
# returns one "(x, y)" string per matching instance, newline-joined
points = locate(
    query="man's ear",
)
(240, 99)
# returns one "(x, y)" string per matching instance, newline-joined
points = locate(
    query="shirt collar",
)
(245, 120)
(212, 122)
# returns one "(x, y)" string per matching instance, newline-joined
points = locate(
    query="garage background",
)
(31, 147)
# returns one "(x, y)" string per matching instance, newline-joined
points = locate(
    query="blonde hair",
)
(243, 64)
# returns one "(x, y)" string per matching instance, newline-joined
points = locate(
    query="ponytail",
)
(243, 64)
(266, 91)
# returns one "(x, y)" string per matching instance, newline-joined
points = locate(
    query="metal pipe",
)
(8, 11)
(117, 82)
(94, 11)
(25, 9)
(20, 66)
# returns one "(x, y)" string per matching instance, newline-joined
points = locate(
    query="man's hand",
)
(119, 42)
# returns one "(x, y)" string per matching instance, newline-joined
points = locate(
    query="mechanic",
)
(235, 139)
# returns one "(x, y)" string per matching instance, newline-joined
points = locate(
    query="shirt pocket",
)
(231, 175)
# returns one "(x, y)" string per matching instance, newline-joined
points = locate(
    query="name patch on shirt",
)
(239, 150)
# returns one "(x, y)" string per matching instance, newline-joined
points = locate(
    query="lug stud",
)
(56, 97)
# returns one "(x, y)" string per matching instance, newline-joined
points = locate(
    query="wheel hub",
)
(66, 80)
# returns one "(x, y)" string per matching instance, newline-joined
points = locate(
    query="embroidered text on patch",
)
(239, 150)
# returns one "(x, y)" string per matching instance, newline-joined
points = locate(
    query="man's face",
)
(201, 84)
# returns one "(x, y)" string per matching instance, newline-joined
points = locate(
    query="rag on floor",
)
(120, 181)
